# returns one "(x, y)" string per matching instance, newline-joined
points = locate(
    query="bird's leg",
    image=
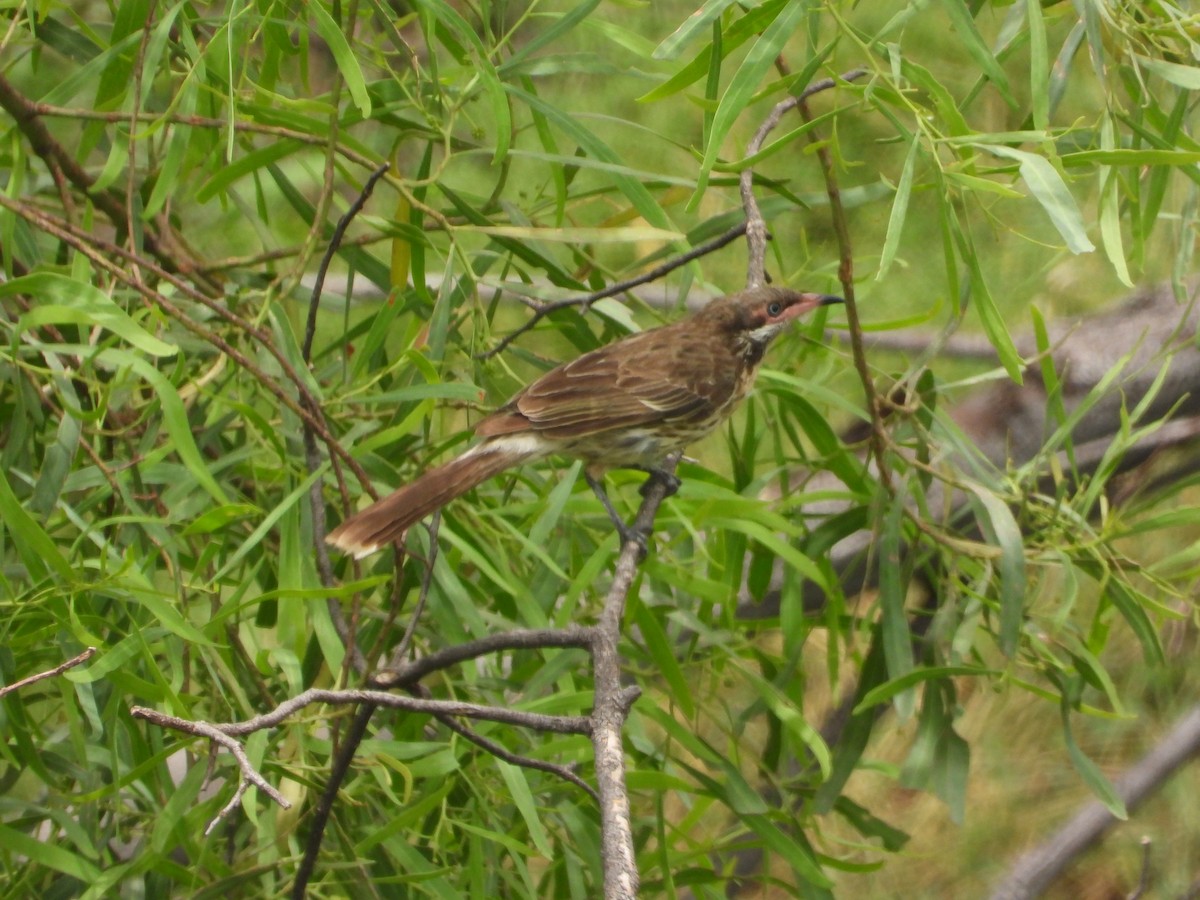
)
(625, 531)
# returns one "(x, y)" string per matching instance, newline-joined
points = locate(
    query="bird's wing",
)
(649, 378)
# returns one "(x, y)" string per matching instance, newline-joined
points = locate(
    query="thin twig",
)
(323, 808)
(335, 242)
(49, 673)
(846, 275)
(516, 759)
(193, 121)
(404, 674)
(619, 287)
(217, 734)
(402, 648)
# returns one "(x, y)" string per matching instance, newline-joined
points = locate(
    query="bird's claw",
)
(669, 480)
(631, 535)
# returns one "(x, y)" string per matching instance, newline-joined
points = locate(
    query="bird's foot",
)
(670, 482)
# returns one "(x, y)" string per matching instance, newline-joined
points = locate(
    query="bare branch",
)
(612, 702)
(619, 287)
(404, 674)
(49, 673)
(1034, 871)
(497, 750)
(217, 735)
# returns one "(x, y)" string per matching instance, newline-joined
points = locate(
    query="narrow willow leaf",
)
(899, 210)
(745, 84)
(662, 651)
(1039, 65)
(269, 520)
(989, 316)
(1110, 210)
(401, 248)
(1184, 76)
(38, 552)
(522, 797)
(792, 718)
(695, 24)
(889, 689)
(701, 65)
(1090, 772)
(347, 62)
(545, 37)
(616, 235)
(56, 465)
(79, 303)
(973, 43)
(1051, 192)
(633, 189)
(893, 585)
(224, 176)
(997, 523)
(792, 847)
(51, 855)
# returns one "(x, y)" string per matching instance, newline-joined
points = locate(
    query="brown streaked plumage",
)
(625, 405)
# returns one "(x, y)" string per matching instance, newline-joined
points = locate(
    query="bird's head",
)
(755, 316)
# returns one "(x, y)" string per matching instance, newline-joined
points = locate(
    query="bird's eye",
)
(774, 309)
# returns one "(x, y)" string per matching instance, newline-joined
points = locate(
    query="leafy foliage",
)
(172, 174)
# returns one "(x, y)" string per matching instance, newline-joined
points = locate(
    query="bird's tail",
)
(385, 521)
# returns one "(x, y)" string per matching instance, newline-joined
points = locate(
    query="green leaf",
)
(997, 523)
(662, 651)
(972, 42)
(1187, 77)
(64, 300)
(38, 552)
(1039, 65)
(1089, 771)
(1051, 192)
(522, 797)
(745, 84)
(696, 24)
(174, 416)
(346, 61)
(893, 585)
(791, 717)
(899, 210)
(889, 689)
(52, 856)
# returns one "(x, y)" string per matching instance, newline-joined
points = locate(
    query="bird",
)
(627, 404)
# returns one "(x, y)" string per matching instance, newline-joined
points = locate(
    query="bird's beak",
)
(810, 301)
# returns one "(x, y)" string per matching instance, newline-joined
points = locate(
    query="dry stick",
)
(620, 287)
(225, 734)
(515, 759)
(312, 455)
(1037, 869)
(612, 703)
(409, 673)
(352, 696)
(49, 673)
